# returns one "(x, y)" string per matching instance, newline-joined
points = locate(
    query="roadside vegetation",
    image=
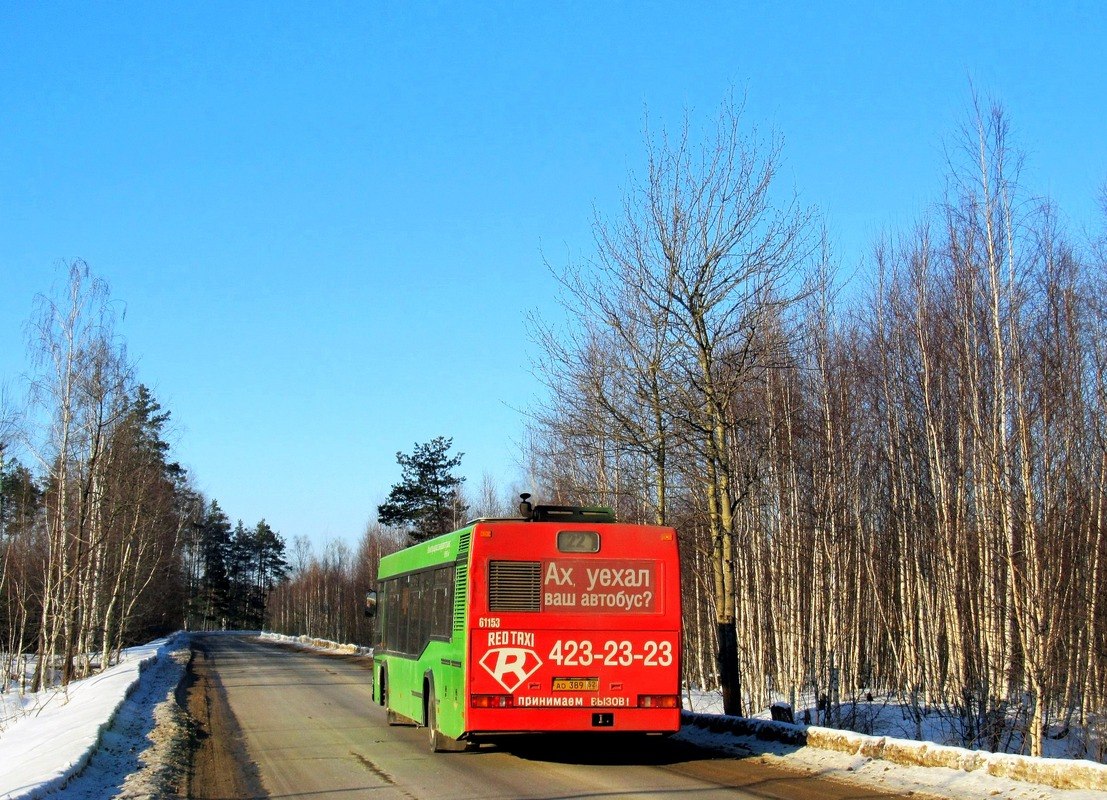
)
(104, 543)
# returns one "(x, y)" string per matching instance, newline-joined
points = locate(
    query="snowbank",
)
(318, 644)
(57, 735)
(1058, 773)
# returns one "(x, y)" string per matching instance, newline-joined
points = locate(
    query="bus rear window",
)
(578, 542)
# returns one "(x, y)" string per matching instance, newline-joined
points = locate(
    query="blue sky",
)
(328, 221)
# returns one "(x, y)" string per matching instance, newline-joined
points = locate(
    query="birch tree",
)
(687, 289)
(81, 378)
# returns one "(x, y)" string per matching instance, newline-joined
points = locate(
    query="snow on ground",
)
(882, 775)
(120, 734)
(884, 715)
(848, 754)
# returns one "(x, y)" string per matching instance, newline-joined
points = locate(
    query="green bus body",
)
(427, 653)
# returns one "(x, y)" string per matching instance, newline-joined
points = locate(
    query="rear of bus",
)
(573, 624)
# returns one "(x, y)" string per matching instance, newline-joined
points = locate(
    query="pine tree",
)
(215, 546)
(270, 568)
(240, 573)
(147, 420)
(427, 496)
(270, 563)
(136, 586)
(20, 499)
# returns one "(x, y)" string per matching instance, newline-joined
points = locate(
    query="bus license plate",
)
(576, 684)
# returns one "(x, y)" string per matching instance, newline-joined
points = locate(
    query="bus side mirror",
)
(370, 604)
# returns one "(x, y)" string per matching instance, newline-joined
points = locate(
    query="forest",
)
(892, 486)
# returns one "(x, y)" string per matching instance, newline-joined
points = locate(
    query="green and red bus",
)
(563, 620)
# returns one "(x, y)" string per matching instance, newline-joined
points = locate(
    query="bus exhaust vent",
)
(514, 586)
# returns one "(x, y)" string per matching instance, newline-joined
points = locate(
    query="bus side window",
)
(402, 640)
(384, 633)
(416, 609)
(442, 615)
(418, 636)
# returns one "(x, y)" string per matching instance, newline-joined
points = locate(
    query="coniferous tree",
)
(139, 590)
(270, 565)
(427, 496)
(239, 573)
(255, 565)
(21, 505)
(215, 545)
(20, 498)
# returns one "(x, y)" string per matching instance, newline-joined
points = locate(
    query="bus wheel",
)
(439, 742)
(390, 716)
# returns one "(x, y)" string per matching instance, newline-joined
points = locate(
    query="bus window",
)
(442, 619)
(578, 542)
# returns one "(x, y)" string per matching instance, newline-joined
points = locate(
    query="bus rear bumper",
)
(573, 720)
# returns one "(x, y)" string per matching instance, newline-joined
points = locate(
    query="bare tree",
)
(683, 308)
(81, 380)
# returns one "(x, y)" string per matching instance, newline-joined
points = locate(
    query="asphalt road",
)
(283, 723)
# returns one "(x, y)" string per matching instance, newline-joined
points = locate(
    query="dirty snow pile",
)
(879, 774)
(118, 733)
(313, 643)
(320, 644)
(869, 759)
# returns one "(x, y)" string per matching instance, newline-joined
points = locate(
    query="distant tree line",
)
(904, 491)
(325, 595)
(229, 572)
(103, 542)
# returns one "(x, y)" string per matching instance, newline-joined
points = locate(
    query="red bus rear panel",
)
(573, 627)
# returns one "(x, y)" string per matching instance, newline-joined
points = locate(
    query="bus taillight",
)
(491, 701)
(658, 701)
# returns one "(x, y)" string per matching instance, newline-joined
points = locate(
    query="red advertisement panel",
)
(545, 669)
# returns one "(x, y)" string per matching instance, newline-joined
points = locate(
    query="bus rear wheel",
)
(390, 716)
(439, 742)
